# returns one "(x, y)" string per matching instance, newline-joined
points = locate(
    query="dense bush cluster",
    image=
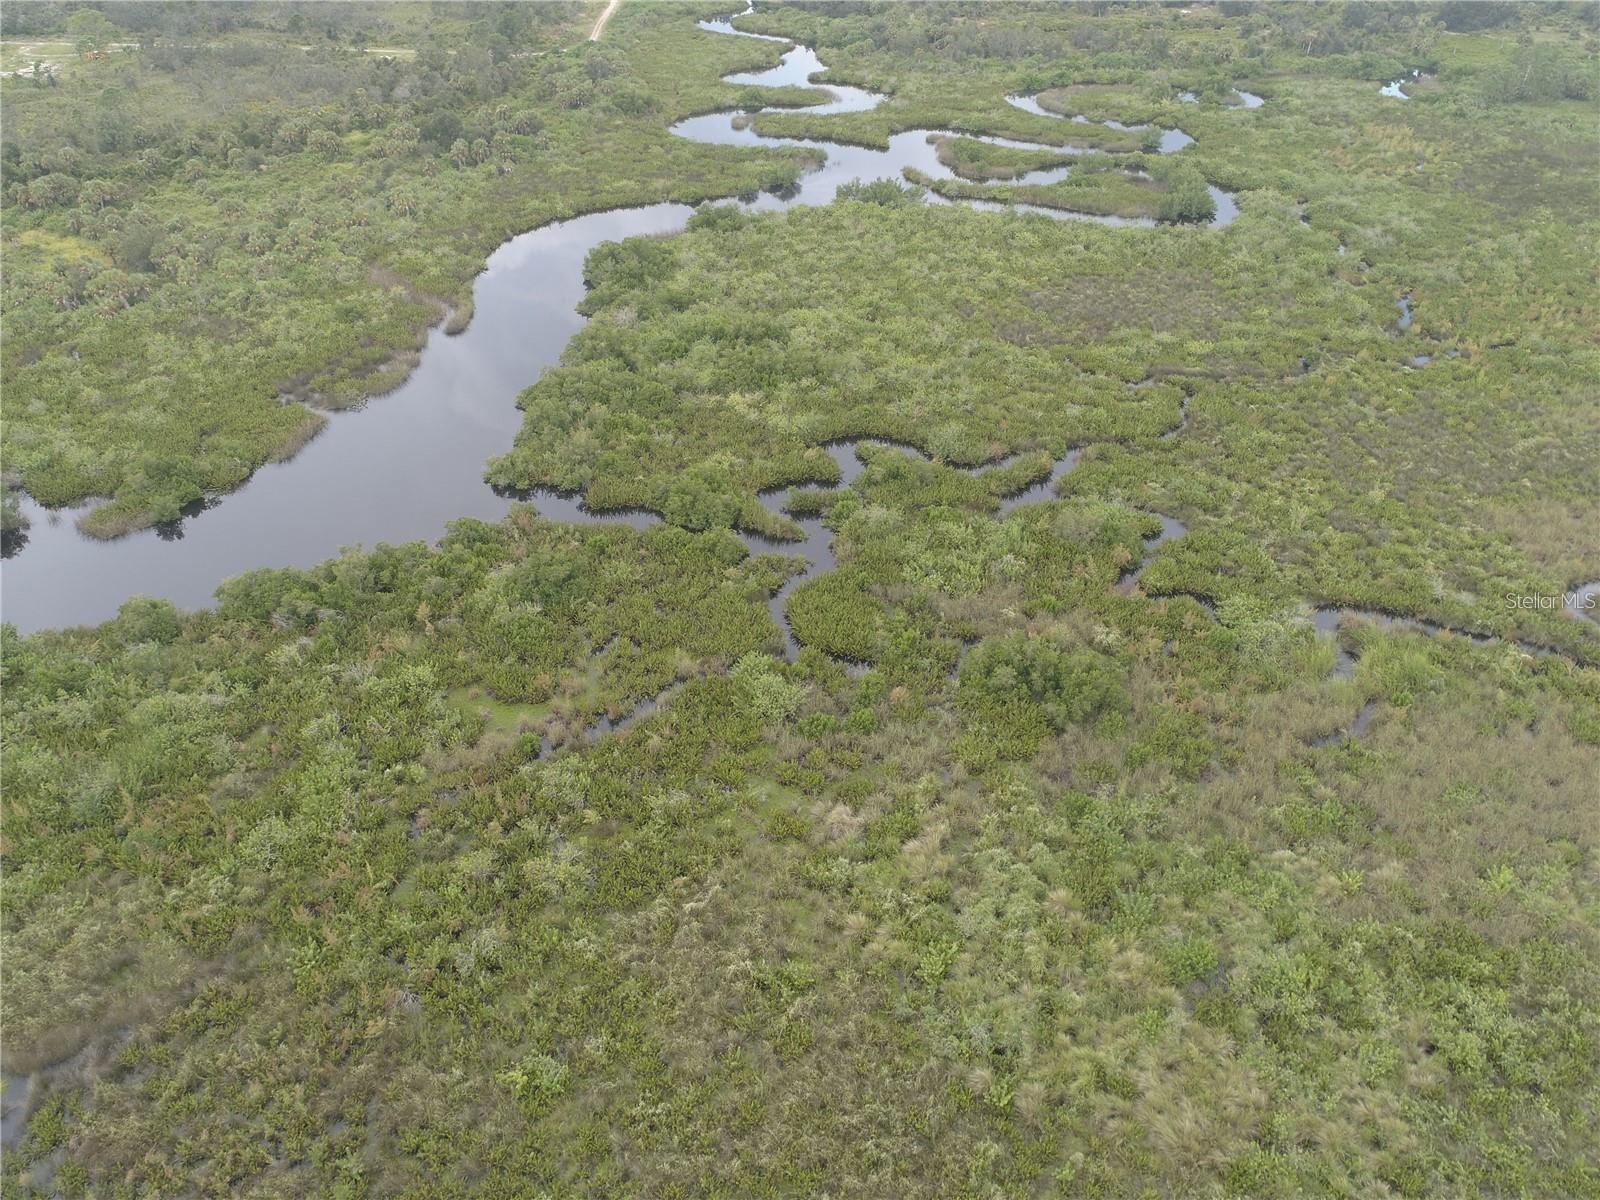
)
(1069, 686)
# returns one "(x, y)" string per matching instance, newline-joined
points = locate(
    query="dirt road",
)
(600, 25)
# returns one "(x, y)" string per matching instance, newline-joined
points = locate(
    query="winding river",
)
(401, 467)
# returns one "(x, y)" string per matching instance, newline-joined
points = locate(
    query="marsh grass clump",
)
(977, 160)
(881, 192)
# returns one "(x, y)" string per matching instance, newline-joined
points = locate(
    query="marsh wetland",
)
(402, 466)
(860, 599)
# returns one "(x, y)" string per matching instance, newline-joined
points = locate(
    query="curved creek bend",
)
(401, 467)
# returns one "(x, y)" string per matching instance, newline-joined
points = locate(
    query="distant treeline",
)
(335, 19)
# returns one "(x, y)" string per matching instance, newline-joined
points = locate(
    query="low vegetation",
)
(979, 160)
(745, 343)
(1090, 914)
(526, 864)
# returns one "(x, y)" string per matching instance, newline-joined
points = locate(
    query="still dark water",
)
(395, 470)
(404, 465)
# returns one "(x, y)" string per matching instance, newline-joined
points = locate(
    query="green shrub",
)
(1186, 199)
(1188, 959)
(880, 191)
(1068, 685)
(143, 619)
(772, 699)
